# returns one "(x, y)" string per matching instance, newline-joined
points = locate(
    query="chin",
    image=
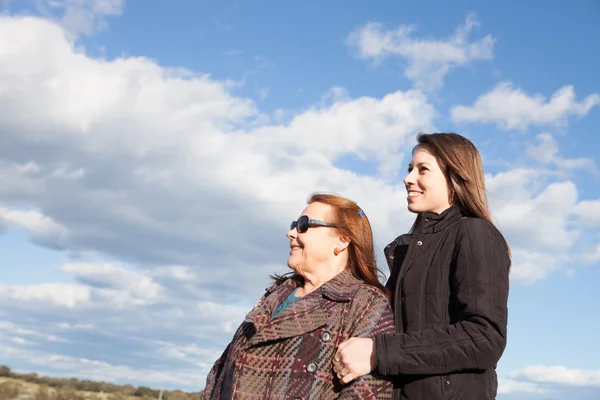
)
(292, 265)
(414, 209)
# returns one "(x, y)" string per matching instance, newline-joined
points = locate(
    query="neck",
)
(314, 281)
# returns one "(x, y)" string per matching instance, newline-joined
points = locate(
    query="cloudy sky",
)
(152, 156)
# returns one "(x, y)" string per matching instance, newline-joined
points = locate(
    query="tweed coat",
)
(290, 356)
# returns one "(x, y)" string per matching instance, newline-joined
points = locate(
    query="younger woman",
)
(449, 280)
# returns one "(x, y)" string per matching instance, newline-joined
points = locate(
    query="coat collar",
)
(305, 315)
(430, 222)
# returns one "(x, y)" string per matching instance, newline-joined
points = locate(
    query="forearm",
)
(469, 344)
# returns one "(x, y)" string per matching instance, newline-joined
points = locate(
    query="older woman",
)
(284, 348)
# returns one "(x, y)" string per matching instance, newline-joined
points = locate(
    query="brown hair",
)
(461, 164)
(353, 224)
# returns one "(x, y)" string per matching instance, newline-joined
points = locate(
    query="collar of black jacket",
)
(432, 222)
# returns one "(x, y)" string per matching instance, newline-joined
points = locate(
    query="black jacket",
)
(449, 279)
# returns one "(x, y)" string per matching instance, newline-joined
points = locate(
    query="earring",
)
(336, 251)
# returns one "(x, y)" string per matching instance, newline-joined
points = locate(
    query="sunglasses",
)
(303, 223)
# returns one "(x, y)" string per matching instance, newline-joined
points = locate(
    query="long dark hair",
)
(353, 224)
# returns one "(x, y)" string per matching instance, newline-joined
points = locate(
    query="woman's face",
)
(313, 250)
(427, 187)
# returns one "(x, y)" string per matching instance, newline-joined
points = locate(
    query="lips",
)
(294, 247)
(413, 194)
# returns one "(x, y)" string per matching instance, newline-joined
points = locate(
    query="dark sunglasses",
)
(303, 223)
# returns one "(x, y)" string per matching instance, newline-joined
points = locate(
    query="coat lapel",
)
(302, 316)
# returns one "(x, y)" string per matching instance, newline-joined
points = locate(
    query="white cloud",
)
(20, 340)
(593, 255)
(8, 328)
(506, 386)
(428, 60)
(66, 366)
(68, 326)
(179, 272)
(81, 16)
(165, 156)
(530, 266)
(191, 352)
(546, 153)
(60, 294)
(588, 212)
(533, 217)
(511, 108)
(229, 316)
(131, 334)
(117, 284)
(559, 375)
(43, 229)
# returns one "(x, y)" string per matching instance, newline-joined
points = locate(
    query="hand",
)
(354, 358)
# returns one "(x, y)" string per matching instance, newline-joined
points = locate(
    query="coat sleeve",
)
(479, 291)
(370, 315)
(213, 375)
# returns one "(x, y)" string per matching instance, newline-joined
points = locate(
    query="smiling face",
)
(312, 252)
(426, 184)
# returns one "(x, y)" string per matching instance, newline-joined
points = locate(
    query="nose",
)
(292, 234)
(409, 179)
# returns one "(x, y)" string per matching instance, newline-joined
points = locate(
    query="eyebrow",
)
(419, 164)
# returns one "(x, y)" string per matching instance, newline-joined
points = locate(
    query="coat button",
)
(419, 243)
(325, 336)
(311, 367)
(447, 382)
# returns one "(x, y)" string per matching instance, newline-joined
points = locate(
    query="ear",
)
(342, 242)
(453, 187)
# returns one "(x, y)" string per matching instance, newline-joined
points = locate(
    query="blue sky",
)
(151, 157)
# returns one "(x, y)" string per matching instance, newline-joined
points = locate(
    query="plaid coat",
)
(290, 356)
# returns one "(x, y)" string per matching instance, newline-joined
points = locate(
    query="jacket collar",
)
(432, 222)
(302, 316)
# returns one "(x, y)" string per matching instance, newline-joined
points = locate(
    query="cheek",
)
(442, 193)
(320, 247)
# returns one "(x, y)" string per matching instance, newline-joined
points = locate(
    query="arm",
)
(213, 375)
(479, 290)
(371, 315)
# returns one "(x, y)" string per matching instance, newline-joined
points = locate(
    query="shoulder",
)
(281, 283)
(366, 293)
(370, 313)
(478, 229)
(479, 232)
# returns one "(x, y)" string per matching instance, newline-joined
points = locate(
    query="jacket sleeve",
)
(370, 315)
(479, 291)
(213, 375)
